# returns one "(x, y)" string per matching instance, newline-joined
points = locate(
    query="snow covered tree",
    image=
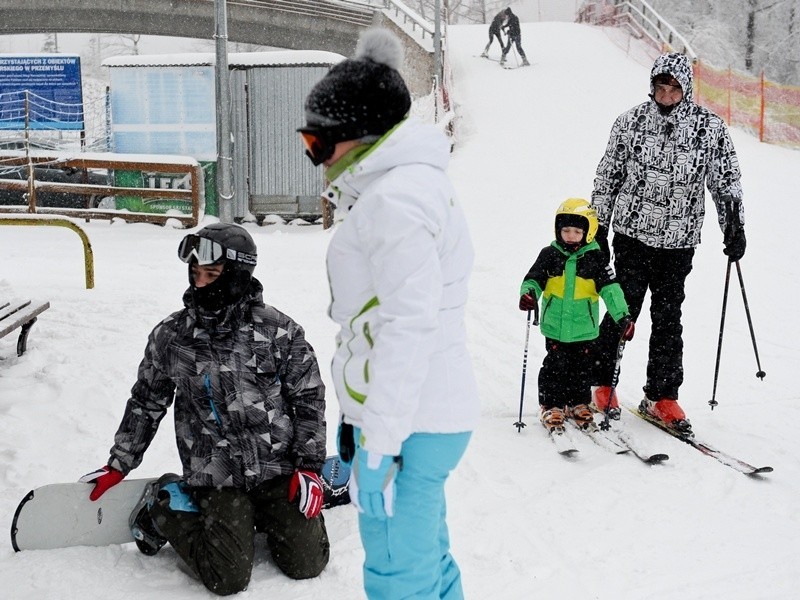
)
(50, 45)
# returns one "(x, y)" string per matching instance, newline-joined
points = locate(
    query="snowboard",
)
(61, 515)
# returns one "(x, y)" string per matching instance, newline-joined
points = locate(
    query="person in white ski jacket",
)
(398, 266)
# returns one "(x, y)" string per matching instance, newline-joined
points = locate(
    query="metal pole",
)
(437, 44)
(222, 80)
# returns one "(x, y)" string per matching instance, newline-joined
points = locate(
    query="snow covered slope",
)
(525, 522)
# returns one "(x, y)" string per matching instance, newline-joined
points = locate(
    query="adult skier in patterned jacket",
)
(650, 188)
(398, 266)
(249, 425)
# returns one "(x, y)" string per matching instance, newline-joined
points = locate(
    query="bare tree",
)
(50, 44)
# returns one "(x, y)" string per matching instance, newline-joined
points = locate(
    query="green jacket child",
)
(570, 276)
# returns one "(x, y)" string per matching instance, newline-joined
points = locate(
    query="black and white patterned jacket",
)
(249, 399)
(653, 174)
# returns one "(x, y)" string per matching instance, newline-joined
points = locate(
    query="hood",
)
(679, 66)
(410, 143)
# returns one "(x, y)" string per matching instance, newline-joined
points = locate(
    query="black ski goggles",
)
(203, 250)
(318, 143)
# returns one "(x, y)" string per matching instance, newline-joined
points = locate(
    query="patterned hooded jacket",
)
(249, 399)
(653, 174)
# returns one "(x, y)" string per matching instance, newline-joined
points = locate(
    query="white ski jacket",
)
(398, 267)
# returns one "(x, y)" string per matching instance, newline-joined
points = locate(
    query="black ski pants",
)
(517, 41)
(494, 33)
(565, 376)
(663, 271)
(217, 543)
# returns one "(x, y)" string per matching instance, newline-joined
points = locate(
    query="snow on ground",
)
(525, 522)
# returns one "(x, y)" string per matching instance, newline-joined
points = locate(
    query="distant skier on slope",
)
(499, 20)
(514, 33)
(660, 157)
(571, 275)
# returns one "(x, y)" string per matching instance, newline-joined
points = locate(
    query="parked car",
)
(58, 174)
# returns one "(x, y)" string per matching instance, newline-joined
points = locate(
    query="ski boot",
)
(552, 419)
(503, 60)
(669, 413)
(583, 417)
(484, 54)
(525, 62)
(604, 399)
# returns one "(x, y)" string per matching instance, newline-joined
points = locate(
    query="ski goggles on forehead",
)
(319, 147)
(203, 250)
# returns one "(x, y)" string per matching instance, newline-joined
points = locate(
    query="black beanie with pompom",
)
(362, 96)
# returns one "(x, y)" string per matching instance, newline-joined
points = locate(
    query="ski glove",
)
(345, 442)
(103, 479)
(602, 240)
(628, 326)
(735, 245)
(527, 302)
(372, 483)
(306, 485)
(734, 239)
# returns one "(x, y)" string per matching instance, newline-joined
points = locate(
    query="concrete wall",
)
(418, 65)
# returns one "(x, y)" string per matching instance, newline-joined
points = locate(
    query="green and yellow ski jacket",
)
(570, 285)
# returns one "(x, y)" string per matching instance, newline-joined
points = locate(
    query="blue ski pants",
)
(408, 555)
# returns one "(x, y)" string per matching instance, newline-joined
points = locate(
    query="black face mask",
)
(225, 290)
(666, 110)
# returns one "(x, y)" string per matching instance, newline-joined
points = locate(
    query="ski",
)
(563, 443)
(606, 442)
(635, 446)
(620, 441)
(723, 457)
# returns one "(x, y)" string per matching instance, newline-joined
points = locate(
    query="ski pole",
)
(760, 373)
(604, 424)
(713, 402)
(519, 424)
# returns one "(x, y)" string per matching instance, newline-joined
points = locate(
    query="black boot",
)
(146, 534)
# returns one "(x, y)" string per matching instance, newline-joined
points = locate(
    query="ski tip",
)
(657, 458)
(761, 470)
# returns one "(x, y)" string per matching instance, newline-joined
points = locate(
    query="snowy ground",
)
(526, 523)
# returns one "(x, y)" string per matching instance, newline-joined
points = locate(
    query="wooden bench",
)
(20, 313)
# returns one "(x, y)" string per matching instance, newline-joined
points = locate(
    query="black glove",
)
(628, 326)
(735, 246)
(345, 442)
(602, 239)
(527, 302)
(734, 239)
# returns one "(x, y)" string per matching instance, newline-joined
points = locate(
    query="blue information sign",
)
(43, 90)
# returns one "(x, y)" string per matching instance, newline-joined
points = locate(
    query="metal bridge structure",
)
(292, 24)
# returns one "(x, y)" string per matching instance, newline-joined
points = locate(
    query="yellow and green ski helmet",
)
(577, 212)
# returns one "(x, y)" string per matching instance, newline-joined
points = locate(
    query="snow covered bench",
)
(20, 313)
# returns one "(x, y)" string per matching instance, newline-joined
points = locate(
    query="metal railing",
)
(410, 16)
(336, 11)
(641, 20)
